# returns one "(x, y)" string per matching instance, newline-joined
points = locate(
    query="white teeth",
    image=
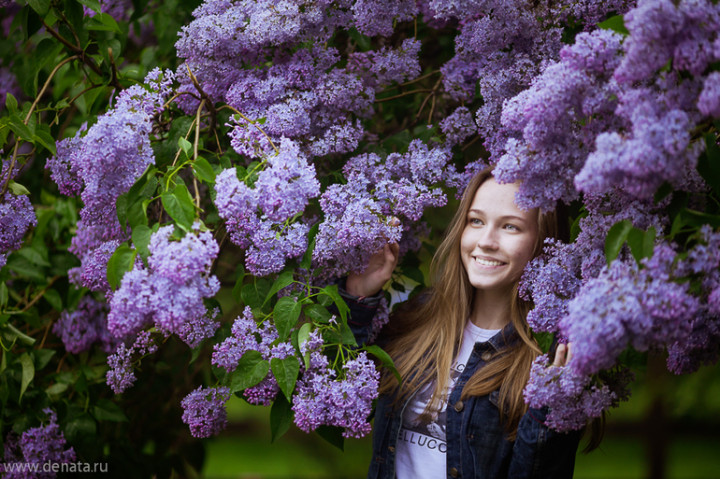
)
(485, 262)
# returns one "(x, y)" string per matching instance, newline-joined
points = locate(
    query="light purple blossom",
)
(38, 445)
(205, 411)
(81, 328)
(346, 402)
(170, 292)
(121, 374)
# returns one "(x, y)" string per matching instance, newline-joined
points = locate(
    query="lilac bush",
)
(282, 144)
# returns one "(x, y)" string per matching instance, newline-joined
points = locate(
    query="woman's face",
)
(499, 238)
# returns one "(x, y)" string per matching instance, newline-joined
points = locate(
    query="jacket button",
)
(459, 406)
(391, 449)
(454, 472)
(486, 356)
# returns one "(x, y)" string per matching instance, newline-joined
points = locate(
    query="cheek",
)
(524, 252)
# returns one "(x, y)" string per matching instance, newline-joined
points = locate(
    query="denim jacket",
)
(477, 446)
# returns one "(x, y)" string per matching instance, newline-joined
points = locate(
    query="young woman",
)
(464, 352)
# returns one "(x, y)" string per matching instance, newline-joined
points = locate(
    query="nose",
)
(488, 238)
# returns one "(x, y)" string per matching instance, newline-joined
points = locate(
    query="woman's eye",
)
(475, 221)
(512, 228)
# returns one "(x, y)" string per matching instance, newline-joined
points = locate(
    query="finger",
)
(394, 252)
(569, 352)
(394, 221)
(560, 355)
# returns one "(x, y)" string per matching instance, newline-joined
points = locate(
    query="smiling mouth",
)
(488, 262)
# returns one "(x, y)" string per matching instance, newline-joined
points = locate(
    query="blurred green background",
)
(670, 428)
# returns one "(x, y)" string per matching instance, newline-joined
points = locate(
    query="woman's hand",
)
(563, 354)
(378, 272)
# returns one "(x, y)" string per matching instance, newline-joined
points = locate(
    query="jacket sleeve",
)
(541, 452)
(362, 312)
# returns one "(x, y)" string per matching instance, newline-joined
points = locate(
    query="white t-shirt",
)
(421, 447)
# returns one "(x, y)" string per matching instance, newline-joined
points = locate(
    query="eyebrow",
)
(505, 217)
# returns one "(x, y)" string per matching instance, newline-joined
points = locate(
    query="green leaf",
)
(616, 24)
(4, 295)
(141, 239)
(333, 435)
(28, 373)
(52, 296)
(120, 263)
(303, 336)
(203, 171)
(649, 242)
(286, 372)
(179, 206)
(103, 22)
(251, 369)
(17, 188)
(80, 427)
(384, 358)
(635, 238)
(25, 268)
(306, 260)
(280, 417)
(40, 6)
(42, 135)
(317, 313)
(287, 312)
(55, 389)
(709, 163)
(93, 5)
(254, 294)
(332, 292)
(615, 239)
(19, 128)
(11, 102)
(185, 146)
(42, 357)
(544, 340)
(284, 280)
(106, 410)
(33, 255)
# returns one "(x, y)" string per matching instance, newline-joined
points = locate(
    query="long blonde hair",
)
(424, 335)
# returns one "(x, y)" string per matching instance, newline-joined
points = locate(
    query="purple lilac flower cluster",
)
(103, 164)
(626, 305)
(204, 411)
(502, 46)
(573, 399)
(305, 93)
(548, 117)
(262, 219)
(702, 344)
(16, 217)
(323, 399)
(605, 117)
(37, 445)
(81, 328)
(170, 292)
(357, 214)
(121, 374)
(246, 335)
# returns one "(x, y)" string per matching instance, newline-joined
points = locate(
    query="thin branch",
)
(40, 294)
(407, 93)
(432, 94)
(253, 123)
(27, 119)
(470, 143)
(195, 149)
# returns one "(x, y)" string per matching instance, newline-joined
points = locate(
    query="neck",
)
(490, 309)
